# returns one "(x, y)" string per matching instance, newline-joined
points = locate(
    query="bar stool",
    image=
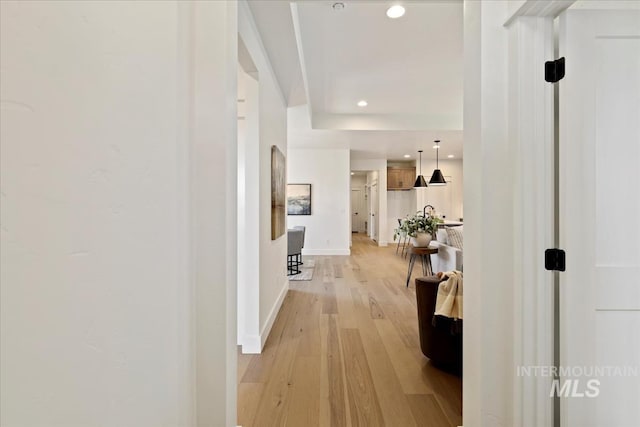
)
(402, 239)
(425, 256)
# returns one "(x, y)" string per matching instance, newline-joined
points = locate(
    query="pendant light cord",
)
(420, 181)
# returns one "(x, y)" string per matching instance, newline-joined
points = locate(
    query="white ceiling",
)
(409, 70)
(371, 144)
(275, 25)
(410, 65)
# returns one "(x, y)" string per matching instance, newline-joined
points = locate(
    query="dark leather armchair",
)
(440, 337)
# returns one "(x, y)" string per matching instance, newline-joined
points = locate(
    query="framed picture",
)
(278, 193)
(299, 199)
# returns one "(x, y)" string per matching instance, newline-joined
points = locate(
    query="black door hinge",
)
(554, 70)
(554, 259)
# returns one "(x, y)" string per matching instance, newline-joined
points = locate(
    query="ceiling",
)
(409, 70)
(410, 65)
(275, 24)
(372, 144)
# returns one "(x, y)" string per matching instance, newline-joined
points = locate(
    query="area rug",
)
(306, 271)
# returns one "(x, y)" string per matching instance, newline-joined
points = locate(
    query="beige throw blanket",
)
(449, 298)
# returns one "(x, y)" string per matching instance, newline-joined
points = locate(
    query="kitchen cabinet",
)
(400, 178)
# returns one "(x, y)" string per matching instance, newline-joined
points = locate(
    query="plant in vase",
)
(419, 227)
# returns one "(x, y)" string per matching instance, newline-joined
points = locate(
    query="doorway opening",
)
(248, 200)
(365, 204)
(359, 207)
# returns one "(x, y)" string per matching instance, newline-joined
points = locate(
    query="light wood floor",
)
(344, 351)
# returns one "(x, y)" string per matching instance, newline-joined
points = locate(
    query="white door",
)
(367, 202)
(374, 211)
(600, 216)
(358, 210)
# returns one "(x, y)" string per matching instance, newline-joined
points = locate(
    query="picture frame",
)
(299, 199)
(278, 193)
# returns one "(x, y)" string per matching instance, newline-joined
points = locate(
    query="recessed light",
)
(352, 173)
(362, 103)
(406, 156)
(395, 11)
(451, 156)
(338, 6)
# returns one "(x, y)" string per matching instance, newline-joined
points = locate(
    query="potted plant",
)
(419, 227)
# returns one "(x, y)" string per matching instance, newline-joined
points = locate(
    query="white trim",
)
(531, 133)
(303, 67)
(488, 362)
(326, 252)
(266, 329)
(322, 120)
(253, 344)
(538, 8)
(212, 31)
(247, 24)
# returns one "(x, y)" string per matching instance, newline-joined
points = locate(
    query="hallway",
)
(344, 350)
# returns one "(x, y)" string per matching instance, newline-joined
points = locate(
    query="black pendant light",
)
(437, 178)
(420, 181)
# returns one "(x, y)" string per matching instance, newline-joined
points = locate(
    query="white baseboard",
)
(383, 243)
(326, 252)
(253, 344)
(264, 333)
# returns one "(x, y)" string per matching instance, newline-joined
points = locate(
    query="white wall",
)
(488, 386)
(266, 291)
(104, 251)
(327, 170)
(399, 205)
(448, 200)
(358, 181)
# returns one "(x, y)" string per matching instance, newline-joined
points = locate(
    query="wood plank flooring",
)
(344, 351)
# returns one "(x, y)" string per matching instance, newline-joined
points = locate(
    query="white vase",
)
(421, 240)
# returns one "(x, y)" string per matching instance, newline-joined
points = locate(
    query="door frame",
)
(509, 166)
(532, 114)
(375, 226)
(362, 206)
(531, 128)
